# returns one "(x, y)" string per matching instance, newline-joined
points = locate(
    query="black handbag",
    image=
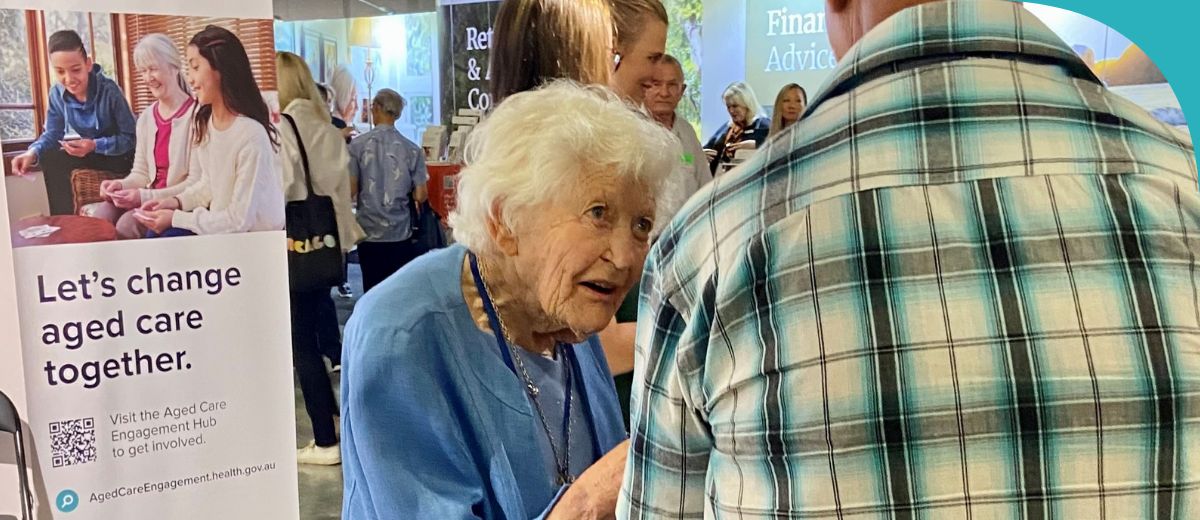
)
(315, 259)
(426, 230)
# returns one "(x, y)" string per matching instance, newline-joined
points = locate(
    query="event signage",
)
(152, 376)
(466, 40)
(787, 41)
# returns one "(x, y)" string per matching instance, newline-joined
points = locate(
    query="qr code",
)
(73, 442)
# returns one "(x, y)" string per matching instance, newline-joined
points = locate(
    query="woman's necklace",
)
(562, 462)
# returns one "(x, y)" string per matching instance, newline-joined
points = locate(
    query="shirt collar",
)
(942, 31)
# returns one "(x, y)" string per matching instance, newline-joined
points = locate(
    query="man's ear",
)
(503, 236)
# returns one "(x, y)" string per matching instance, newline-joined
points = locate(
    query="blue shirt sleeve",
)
(355, 173)
(56, 125)
(403, 454)
(126, 137)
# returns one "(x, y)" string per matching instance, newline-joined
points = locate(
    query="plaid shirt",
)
(964, 286)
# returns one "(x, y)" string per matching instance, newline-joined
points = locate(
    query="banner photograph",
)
(157, 373)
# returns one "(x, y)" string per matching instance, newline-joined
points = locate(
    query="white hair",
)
(537, 141)
(157, 49)
(390, 101)
(743, 95)
(343, 87)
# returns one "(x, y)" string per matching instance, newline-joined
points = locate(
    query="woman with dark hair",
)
(238, 185)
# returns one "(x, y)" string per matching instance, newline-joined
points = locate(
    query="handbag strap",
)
(303, 154)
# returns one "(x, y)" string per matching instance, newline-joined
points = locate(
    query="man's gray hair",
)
(540, 142)
(390, 102)
(667, 59)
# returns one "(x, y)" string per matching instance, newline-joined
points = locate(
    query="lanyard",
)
(506, 352)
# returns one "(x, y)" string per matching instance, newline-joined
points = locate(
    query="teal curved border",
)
(1168, 30)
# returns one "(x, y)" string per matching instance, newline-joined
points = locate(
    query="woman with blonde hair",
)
(306, 131)
(536, 41)
(160, 161)
(789, 106)
(746, 129)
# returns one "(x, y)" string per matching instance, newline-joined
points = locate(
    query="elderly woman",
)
(488, 396)
(160, 160)
(746, 129)
(345, 100)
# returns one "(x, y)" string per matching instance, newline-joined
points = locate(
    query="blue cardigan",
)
(434, 425)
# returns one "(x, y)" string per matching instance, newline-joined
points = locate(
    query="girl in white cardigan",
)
(237, 184)
(163, 134)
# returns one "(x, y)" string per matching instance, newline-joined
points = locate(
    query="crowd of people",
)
(951, 283)
(957, 281)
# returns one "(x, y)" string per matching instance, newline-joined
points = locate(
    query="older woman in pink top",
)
(160, 163)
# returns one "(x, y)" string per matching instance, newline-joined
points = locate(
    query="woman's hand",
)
(126, 199)
(109, 187)
(157, 204)
(710, 153)
(158, 220)
(594, 494)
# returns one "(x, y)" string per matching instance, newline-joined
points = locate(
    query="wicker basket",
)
(85, 184)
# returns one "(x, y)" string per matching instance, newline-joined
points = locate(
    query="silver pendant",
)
(533, 390)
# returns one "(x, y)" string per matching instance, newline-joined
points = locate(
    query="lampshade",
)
(362, 33)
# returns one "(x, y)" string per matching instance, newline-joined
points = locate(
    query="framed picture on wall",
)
(310, 50)
(285, 37)
(329, 58)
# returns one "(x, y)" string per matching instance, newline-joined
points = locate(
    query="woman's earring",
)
(616, 61)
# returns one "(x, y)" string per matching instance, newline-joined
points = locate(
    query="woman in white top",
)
(163, 135)
(237, 186)
(314, 318)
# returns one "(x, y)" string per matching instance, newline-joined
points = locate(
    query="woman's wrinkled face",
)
(159, 78)
(737, 113)
(582, 252)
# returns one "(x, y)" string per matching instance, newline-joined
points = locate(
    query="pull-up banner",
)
(466, 42)
(151, 367)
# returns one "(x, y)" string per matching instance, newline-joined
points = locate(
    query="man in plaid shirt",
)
(963, 286)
